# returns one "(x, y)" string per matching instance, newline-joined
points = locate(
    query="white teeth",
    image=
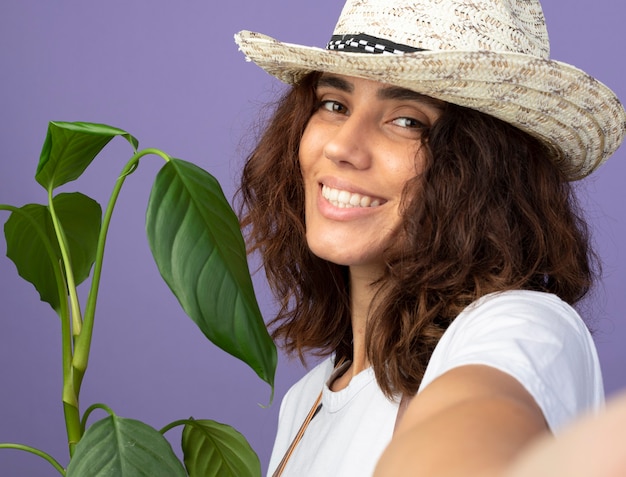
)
(343, 198)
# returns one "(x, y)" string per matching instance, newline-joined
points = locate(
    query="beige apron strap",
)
(281, 466)
(339, 369)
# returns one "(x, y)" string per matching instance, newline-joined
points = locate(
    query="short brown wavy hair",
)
(491, 211)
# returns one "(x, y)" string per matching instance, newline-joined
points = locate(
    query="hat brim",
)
(555, 102)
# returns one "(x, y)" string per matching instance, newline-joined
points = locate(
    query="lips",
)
(344, 199)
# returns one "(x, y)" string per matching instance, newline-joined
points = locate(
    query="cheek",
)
(306, 152)
(408, 169)
(306, 158)
(310, 156)
(399, 173)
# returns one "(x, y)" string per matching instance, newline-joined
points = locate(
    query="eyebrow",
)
(387, 92)
(335, 82)
(398, 93)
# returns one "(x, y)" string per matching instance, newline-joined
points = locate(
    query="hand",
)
(594, 445)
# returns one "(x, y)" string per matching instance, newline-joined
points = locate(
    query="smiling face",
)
(359, 149)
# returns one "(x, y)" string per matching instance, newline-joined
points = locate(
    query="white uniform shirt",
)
(533, 336)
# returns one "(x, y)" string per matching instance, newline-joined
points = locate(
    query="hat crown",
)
(515, 26)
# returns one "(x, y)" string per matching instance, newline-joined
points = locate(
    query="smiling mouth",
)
(344, 199)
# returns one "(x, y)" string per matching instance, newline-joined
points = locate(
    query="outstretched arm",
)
(477, 421)
(472, 420)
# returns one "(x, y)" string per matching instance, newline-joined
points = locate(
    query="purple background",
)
(170, 74)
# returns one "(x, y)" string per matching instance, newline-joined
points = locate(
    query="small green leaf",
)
(33, 247)
(115, 446)
(197, 244)
(212, 449)
(70, 147)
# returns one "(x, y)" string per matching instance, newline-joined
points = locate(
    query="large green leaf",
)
(115, 446)
(212, 449)
(33, 247)
(70, 147)
(198, 247)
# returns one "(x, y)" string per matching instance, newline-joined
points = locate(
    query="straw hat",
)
(490, 55)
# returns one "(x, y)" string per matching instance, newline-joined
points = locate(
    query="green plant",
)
(197, 245)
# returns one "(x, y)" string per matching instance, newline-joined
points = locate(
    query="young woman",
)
(411, 200)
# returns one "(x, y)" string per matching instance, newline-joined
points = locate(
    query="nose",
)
(350, 145)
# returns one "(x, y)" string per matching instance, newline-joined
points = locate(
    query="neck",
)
(362, 294)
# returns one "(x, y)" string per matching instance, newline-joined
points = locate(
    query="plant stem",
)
(69, 273)
(83, 342)
(172, 425)
(72, 426)
(181, 422)
(38, 452)
(90, 409)
(72, 378)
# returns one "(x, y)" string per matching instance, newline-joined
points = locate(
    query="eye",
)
(333, 106)
(409, 123)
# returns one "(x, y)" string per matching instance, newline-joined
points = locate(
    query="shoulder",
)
(534, 337)
(525, 304)
(517, 314)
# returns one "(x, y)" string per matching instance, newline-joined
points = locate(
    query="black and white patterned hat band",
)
(489, 55)
(362, 43)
